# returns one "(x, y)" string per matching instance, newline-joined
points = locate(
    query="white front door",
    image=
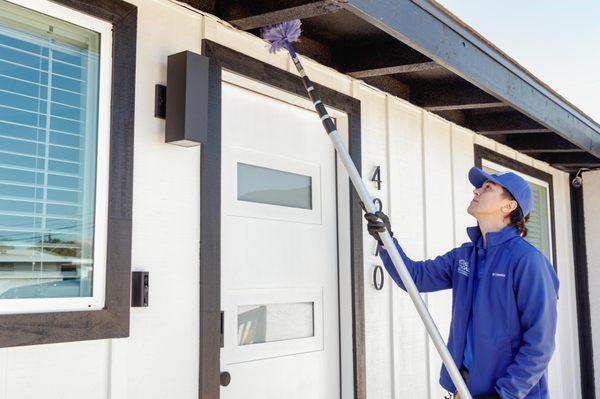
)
(279, 256)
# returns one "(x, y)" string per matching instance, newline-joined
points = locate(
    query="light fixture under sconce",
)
(186, 111)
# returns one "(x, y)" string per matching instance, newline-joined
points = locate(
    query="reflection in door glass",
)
(274, 187)
(275, 322)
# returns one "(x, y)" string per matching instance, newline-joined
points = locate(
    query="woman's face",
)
(489, 200)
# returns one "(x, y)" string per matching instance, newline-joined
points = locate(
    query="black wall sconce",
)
(183, 102)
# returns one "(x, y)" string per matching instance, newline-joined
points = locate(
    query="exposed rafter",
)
(503, 122)
(568, 159)
(314, 49)
(452, 107)
(397, 69)
(359, 58)
(512, 131)
(299, 12)
(390, 85)
(454, 96)
(551, 150)
(540, 143)
(575, 166)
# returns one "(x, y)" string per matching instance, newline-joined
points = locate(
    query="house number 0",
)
(378, 277)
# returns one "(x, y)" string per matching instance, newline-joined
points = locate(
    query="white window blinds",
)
(48, 131)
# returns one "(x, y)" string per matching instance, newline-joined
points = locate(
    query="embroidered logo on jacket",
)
(463, 267)
(498, 275)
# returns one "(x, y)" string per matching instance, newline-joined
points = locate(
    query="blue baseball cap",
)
(512, 182)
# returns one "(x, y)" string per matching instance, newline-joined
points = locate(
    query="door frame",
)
(211, 323)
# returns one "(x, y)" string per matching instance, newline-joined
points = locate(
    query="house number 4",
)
(377, 177)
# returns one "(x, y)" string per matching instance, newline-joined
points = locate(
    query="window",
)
(270, 186)
(267, 323)
(275, 187)
(54, 82)
(105, 314)
(541, 223)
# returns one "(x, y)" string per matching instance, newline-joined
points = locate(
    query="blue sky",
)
(557, 40)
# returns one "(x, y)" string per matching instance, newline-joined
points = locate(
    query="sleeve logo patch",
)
(463, 267)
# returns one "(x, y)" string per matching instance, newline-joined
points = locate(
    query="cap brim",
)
(477, 177)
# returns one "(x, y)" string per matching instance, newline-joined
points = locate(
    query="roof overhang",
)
(417, 50)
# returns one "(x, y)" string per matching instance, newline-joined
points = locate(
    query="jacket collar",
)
(493, 238)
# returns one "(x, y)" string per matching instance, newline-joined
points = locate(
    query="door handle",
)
(225, 378)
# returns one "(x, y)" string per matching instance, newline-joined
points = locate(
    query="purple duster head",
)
(277, 34)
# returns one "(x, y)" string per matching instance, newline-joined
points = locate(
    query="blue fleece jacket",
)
(514, 315)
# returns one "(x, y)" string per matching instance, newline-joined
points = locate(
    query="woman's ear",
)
(510, 206)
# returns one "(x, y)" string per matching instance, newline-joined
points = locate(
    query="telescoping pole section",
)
(388, 243)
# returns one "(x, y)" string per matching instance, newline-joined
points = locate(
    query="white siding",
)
(564, 368)
(428, 195)
(72, 370)
(160, 358)
(439, 217)
(424, 161)
(591, 201)
(379, 355)
(162, 352)
(406, 205)
(428, 160)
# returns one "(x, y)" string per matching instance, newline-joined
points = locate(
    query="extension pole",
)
(385, 236)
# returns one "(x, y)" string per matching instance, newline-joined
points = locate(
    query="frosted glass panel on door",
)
(274, 187)
(275, 322)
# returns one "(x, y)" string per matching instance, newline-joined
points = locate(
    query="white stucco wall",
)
(424, 161)
(591, 206)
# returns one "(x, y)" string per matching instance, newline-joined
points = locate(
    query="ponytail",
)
(516, 217)
(519, 222)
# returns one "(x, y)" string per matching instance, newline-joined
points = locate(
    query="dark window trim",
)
(491, 155)
(582, 294)
(113, 320)
(210, 264)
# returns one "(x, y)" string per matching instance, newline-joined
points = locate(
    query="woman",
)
(504, 292)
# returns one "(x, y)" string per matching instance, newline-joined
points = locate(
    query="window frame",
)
(96, 301)
(112, 319)
(485, 155)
